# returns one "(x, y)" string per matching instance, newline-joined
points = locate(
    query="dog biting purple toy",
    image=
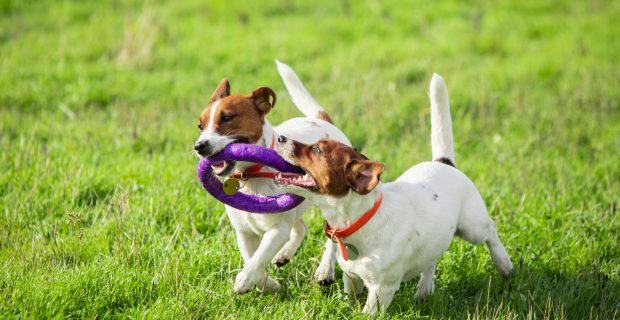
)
(241, 201)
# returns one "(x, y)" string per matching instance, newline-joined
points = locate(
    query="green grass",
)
(102, 215)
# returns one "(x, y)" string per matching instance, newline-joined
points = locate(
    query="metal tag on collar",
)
(230, 186)
(352, 251)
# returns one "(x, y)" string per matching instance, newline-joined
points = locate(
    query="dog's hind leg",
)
(353, 285)
(379, 298)
(500, 257)
(325, 273)
(298, 232)
(426, 285)
(476, 227)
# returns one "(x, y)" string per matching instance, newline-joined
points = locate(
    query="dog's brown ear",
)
(363, 175)
(222, 91)
(264, 99)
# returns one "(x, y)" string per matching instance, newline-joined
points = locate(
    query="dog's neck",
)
(341, 212)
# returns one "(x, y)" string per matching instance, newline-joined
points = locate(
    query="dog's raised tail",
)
(301, 97)
(442, 142)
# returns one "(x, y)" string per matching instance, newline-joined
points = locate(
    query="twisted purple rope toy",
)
(241, 201)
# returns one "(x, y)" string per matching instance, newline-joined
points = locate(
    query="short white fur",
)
(274, 238)
(421, 212)
(214, 108)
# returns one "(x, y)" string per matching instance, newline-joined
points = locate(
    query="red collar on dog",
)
(338, 233)
(254, 171)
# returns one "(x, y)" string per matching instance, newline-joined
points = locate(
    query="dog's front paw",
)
(247, 280)
(250, 280)
(324, 275)
(270, 286)
(280, 261)
(324, 279)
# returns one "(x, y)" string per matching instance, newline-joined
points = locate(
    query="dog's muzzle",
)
(203, 148)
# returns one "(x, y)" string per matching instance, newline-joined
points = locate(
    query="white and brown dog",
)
(235, 118)
(389, 233)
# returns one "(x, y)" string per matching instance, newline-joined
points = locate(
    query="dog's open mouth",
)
(222, 167)
(296, 179)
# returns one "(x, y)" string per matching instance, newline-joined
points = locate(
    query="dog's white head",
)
(332, 169)
(230, 119)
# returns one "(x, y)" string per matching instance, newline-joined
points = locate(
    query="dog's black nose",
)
(203, 148)
(282, 139)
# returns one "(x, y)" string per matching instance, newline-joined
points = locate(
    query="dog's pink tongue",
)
(218, 165)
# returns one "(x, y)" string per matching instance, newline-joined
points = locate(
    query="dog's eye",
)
(316, 149)
(200, 127)
(226, 118)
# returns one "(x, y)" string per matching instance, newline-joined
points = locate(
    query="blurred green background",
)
(102, 215)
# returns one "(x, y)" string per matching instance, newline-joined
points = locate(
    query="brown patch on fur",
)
(239, 115)
(324, 116)
(447, 161)
(363, 175)
(264, 98)
(221, 91)
(336, 167)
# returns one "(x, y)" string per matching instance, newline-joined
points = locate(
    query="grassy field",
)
(102, 215)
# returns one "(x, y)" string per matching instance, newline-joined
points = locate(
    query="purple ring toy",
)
(241, 201)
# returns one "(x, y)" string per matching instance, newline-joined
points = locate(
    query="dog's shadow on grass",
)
(540, 291)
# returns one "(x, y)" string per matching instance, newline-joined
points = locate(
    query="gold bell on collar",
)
(230, 186)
